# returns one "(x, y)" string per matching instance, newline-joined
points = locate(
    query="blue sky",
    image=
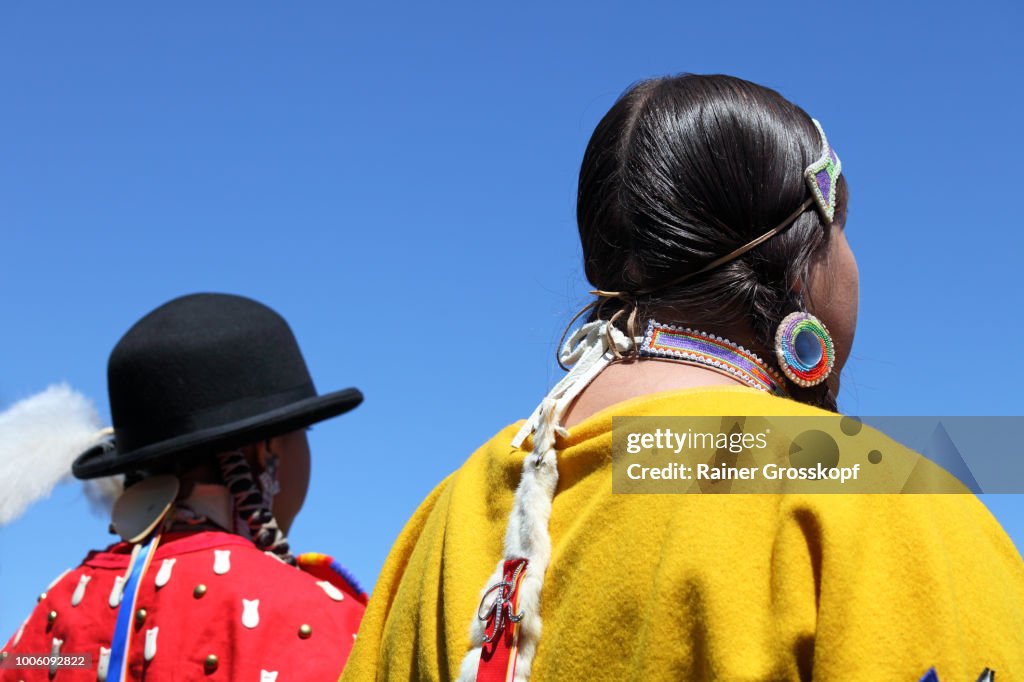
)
(399, 182)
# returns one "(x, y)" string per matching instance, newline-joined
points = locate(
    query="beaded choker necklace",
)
(721, 355)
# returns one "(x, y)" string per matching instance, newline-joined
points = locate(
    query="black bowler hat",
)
(203, 374)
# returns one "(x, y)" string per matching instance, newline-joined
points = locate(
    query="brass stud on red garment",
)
(51, 617)
(210, 664)
(140, 617)
(199, 591)
(305, 631)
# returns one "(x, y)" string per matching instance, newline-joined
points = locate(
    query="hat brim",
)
(103, 461)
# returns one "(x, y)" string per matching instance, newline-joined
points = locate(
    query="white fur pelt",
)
(526, 535)
(39, 438)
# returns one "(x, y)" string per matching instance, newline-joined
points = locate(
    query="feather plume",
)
(39, 438)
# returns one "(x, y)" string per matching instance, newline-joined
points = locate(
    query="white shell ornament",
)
(268, 676)
(250, 613)
(150, 649)
(116, 591)
(103, 665)
(164, 574)
(221, 561)
(55, 655)
(332, 591)
(76, 598)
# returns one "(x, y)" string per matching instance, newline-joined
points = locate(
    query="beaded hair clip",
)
(823, 175)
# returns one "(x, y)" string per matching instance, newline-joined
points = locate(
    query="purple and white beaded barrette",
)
(823, 175)
(700, 348)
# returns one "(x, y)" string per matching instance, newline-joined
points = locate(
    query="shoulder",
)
(240, 572)
(953, 524)
(937, 568)
(206, 596)
(247, 610)
(330, 573)
(219, 595)
(30, 632)
(926, 554)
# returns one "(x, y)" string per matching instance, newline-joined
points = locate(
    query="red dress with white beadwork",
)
(211, 607)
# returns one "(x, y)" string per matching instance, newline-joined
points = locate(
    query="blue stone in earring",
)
(808, 348)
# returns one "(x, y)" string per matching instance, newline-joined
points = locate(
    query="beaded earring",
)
(804, 349)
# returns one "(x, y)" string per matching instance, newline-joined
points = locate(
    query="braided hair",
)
(252, 503)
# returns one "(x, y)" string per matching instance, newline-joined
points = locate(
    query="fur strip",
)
(526, 536)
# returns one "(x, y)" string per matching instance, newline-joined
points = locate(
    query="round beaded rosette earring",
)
(804, 348)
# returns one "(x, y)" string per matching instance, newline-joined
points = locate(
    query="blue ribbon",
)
(126, 611)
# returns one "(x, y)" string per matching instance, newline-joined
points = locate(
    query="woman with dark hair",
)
(711, 213)
(210, 398)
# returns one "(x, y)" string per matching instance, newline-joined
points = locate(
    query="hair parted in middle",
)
(684, 169)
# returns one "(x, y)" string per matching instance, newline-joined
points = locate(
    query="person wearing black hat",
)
(210, 399)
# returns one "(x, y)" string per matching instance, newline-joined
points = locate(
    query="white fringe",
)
(39, 438)
(526, 535)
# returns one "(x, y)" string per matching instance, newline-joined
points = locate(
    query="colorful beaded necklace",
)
(700, 348)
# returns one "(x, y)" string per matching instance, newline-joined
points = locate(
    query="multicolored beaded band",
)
(700, 348)
(804, 348)
(322, 565)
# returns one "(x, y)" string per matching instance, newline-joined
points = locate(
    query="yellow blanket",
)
(703, 587)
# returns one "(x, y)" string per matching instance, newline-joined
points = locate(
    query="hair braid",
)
(250, 507)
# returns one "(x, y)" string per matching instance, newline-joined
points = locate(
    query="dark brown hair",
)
(683, 170)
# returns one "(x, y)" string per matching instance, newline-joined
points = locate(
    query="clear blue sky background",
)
(399, 181)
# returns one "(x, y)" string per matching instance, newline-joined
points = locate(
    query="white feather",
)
(39, 438)
(102, 492)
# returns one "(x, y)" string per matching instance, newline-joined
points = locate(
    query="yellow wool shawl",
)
(703, 587)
